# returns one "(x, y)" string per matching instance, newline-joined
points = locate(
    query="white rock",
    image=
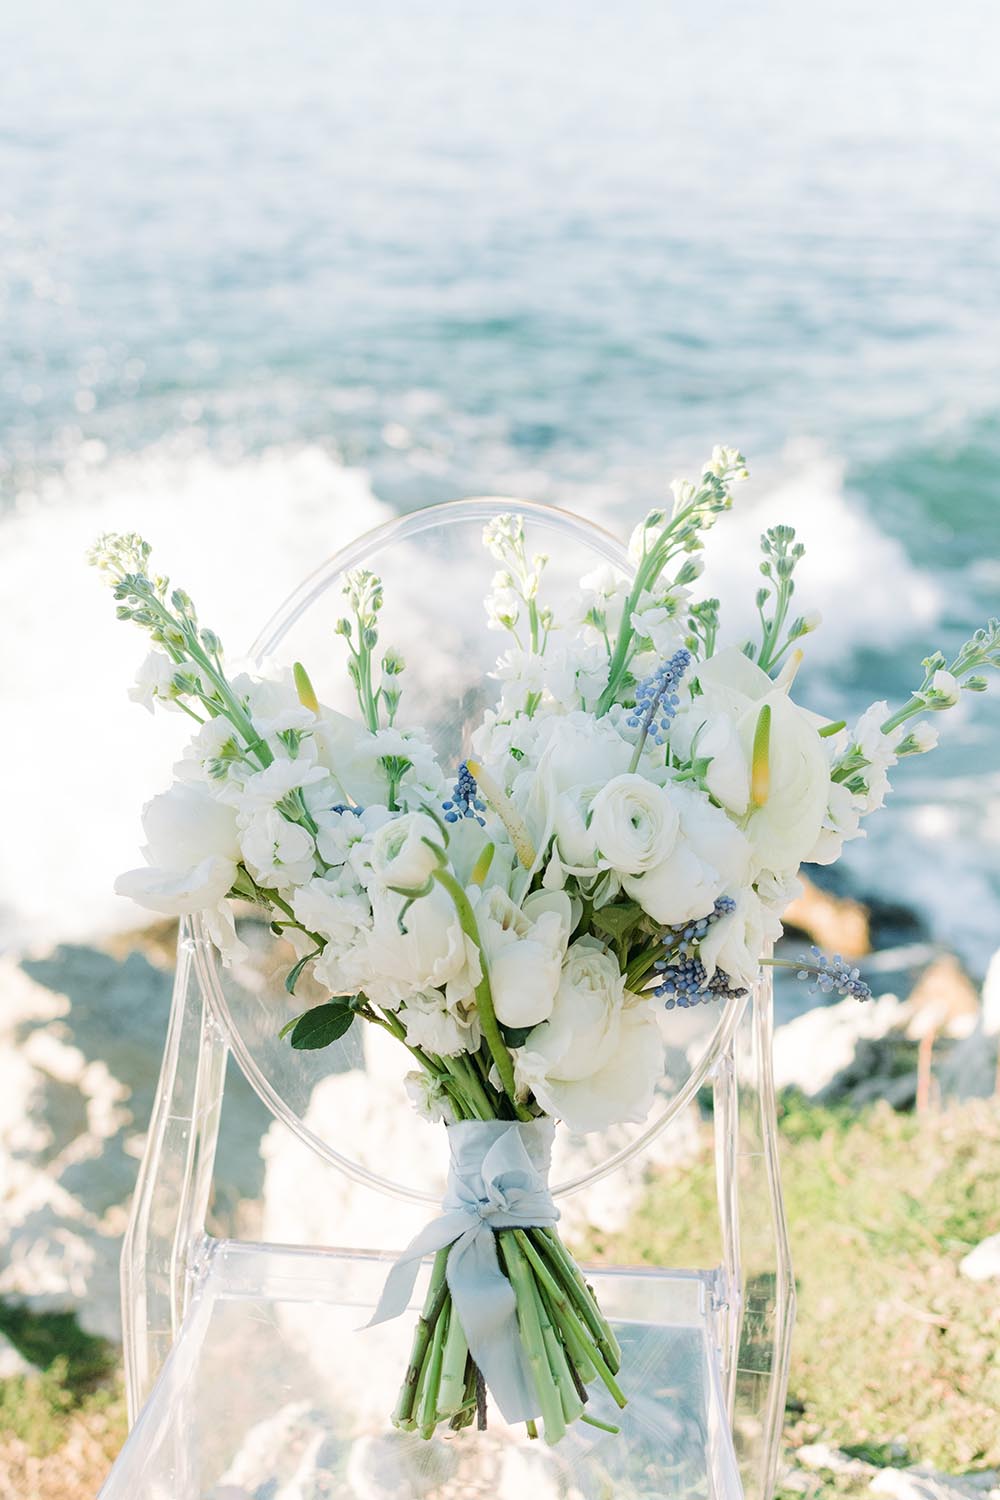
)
(982, 1263)
(12, 1361)
(991, 997)
(920, 1483)
(812, 1050)
(822, 1456)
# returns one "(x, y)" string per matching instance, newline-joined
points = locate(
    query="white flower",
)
(432, 953)
(570, 751)
(721, 724)
(661, 620)
(944, 690)
(524, 948)
(841, 823)
(400, 854)
(596, 1060)
(154, 681)
(265, 789)
(710, 855)
(735, 943)
(335, 907)
(633, 824)
(355, 756)
(441, 1029)
(923, 735)
(278, 853)
(429, 1098)
(342, 831)
(205, 746)
(879, 750)
(191, 851)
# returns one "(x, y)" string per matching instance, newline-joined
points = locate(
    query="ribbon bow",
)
(498, 1179)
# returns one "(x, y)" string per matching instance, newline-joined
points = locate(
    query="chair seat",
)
(275, 1390)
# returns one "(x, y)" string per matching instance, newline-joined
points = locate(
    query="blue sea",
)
(267, 272)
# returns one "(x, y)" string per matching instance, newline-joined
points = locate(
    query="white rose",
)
(710, 855)
(277, 853)
(595, 1062)
(400, 855)
(633, 823)
(191, 850)
(524, 948)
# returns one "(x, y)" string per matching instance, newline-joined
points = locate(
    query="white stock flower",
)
(595, 1062)
(400, 854)
(154, 681)
(710, 855)
(944, 690)
(278, 853)
(841, 823)
(661, 619)
(879, 750)
(442, 1030)
(354, 757)
(335, 907)
(735, 943)
(341, 832)
(265, 789)
(429, 1098)
(633, 824)
(191, 852)
(524, 948)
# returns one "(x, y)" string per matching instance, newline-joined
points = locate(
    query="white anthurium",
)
(596, 1061)
(633, 823)
(441, 1029)
(721, 723)
(278, 854)
(191, 850)
(401, 852)
(710, 855)
(736, 942)
(432, 953)
(524, 948)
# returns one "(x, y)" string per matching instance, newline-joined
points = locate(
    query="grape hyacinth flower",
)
(684, 937)
(831, 975)
(685, 983)
(465, 801)
(657, 701)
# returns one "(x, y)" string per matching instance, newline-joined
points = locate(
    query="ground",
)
(896, 1355)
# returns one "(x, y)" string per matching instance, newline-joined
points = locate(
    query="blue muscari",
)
(465, 801)
(833, 974)
(683, 979)
(656, 698)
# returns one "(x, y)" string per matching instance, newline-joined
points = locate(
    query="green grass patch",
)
(78, 1375)
(892, 1344)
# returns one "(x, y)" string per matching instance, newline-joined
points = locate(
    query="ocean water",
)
(270, 274)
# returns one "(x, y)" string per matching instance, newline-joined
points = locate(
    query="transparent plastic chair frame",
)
(167, 1252)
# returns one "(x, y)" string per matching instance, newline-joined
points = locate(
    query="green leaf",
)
(295, 972)
(618, 919)
(515, 1036)
(322, 1025)
(290, 1026)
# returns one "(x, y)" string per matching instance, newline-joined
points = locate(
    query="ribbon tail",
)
(402, 1278)
(487, 1309)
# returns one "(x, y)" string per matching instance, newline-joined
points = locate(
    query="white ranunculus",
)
(278, 854)
(191, 850)
(595, 1062)
(736, 943)
(633, 824)
(709, 855)
(441, 1029)
(570, 752)
(432, 953)
(400, 854)
(524, 948)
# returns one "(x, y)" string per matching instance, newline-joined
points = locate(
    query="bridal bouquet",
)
(622, 836)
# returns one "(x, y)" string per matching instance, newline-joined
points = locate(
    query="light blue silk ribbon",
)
(498, 1179)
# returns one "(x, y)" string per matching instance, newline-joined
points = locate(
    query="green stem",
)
(451, 1391)
(530, 1324)
(437, 1295)
(484, 994)
(432, 1381)
(548, 1241)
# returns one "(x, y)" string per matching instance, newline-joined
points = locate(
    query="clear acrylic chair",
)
(249, 1371)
